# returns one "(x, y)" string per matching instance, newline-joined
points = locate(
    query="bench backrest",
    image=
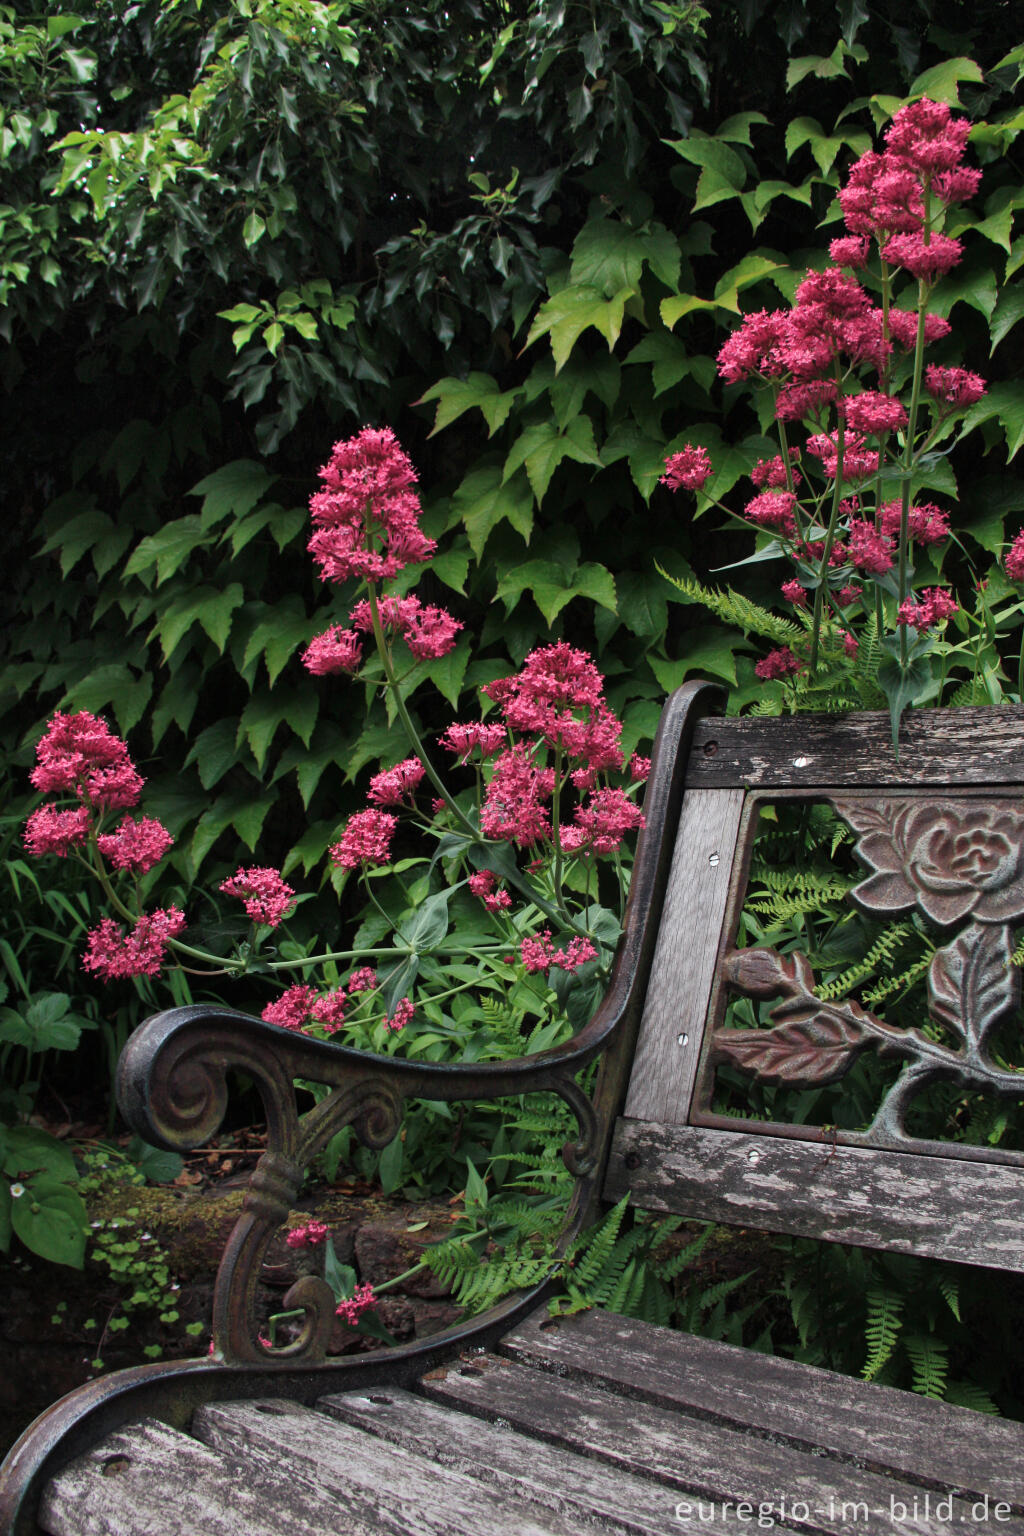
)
(940, 842)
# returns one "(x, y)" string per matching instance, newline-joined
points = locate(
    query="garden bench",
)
(521, 1422)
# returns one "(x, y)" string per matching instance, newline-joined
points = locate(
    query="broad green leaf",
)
(646, 455)
(214, 751)
(601, 375)
(712, 156)
(378, 742)
(575, 309)
(156, 1165)
(484, 499)
(551, 588)
(80, 534)
(642, 606)
(53, 1026)
(706, 650)
(29, 1152)
(455, 396)
(447, 672)
(673, 309)
(942, 81)
(6, 1229)
(51, 1220)
(1005, 402)
(1008, 311)
(248, 817)
(451, 567)
(670, 359)
(115, 687)
(610, 255)
(821, 66)
(542, 448)
(231, 491)
(278, 636)
(428, 925)
(167, 550)
(736, 129)
(215, 613)
(253, 228)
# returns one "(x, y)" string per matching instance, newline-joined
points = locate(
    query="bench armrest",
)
(172, 1075)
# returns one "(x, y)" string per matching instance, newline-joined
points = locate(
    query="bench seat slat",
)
(879, 1427)
(520, 1466)
(945, 1208)
(391, 1490)
(150, 1480)
(694, 1456)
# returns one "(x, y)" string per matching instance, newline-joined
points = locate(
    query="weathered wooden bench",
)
(518, 1422)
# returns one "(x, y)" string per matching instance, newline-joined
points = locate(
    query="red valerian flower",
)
(639, 768)
(266, 896)
(925, 133)
(484, 885)
(428, 632)
(80, 752)
(402, 1015)
(513, 809)
(690, 468)
(336, 650)
(49, 830)
(927, 524)
(558, 696)
(903, 327)
(752, 348)
(849, 251)
(794, 592)
(780, 663)
(602, 823)
(953, 386)
(773, 509)
(136, 845)
(1014, 561)
(365, 840)
(396, 786)
(770, 474)
(329, 1010)
(363, 1300)
(363, 980)
(112, 954)
(309, 1236)
(873, 412)
(463, 740)
(367, 514)
(292, 1009)
(927, 259)
(798, 401)
(935, 605)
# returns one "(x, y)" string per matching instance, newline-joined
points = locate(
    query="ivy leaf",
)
(214, 751)
(707, 650)
(231, 491)
(29, 1151)
(1005, 402)
(278, 636)
(551, 588)
(542, 448)
(215, 613)
(455, 396)
(253, 229)
(942, 81)
(112, 686)
(572, 311)
(485, 499)
(168, 549)
(610, 255)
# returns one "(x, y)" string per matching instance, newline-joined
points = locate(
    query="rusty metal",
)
(954, 858)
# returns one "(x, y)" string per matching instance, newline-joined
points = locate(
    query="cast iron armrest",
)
(172, 1084)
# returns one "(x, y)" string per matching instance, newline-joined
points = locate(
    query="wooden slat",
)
(695, 1456)
(392, 1491)
(881, 1428)
(149, 1480)
(523, 1468)
(944, 747)
(676, 1003)
(940, 1207)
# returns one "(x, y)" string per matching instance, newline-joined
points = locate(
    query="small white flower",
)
(17, 1190)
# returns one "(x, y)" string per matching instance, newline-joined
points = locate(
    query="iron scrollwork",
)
(957, 861)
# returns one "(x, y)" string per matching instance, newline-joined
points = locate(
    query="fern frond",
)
(734, 608)
(967, 1394)
(878, 957)
(929, 1363)
(900, 983)
(884, 1321)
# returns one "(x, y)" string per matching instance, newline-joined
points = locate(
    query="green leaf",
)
(942, 81)
(6, 1203)
(642, 606)
(53, 1025)
(231, 491)
(551, 588)
(391, 1166)
(903, 686)
(1007, 312)
(706, 650)
(572, 311)
(30, 1151)
(428, 924)
(214, 751)
(253, 228)
(485, 499)
(542, 448)
(1006, 403)
(167, 550)
(447, 672)
(610, 256)
(156, 1165)
(112, 686)
(51, 1220)
(215, 613)
(821, 66)
(455, 396)
(278, 636)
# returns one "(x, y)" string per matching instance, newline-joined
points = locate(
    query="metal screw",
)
(713, 860)
(753, 1156)
(682, 1039)
(710, 748)
(800, 762)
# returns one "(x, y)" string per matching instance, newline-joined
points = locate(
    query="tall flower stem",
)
(830, 538)
(410, 729)
(908, 460)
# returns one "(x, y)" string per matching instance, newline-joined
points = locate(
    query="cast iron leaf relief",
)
(959, 862)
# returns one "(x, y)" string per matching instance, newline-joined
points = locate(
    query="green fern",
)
(929, 1362)
(878, 957)
(967, 1394)
(734, 608)
(882, 1326)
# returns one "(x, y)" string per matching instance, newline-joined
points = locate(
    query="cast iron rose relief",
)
(961, 863)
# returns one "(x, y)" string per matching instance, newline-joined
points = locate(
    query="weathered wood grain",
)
(940, 1207)
(937, 746)
(149, 1480)
(882, 1429)
(694, 1456)
(393, 1491)
(676, 1004)
(523, 1468)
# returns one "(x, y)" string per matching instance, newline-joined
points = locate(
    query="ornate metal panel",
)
(953, 865)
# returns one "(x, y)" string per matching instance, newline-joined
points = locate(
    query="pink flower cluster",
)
(310, 1236)
(135, 846)
(1014, 561)
(485, 886)
(268, 900)
(80, 754)
(114, 954)
(367, 514)
(464, 740)
(363, 1300)
(689, 469)
(934, 606)
(302, 1005)
(49, 830)
(538, 953)
(397, 786)
(601, 823)
(365, 840)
